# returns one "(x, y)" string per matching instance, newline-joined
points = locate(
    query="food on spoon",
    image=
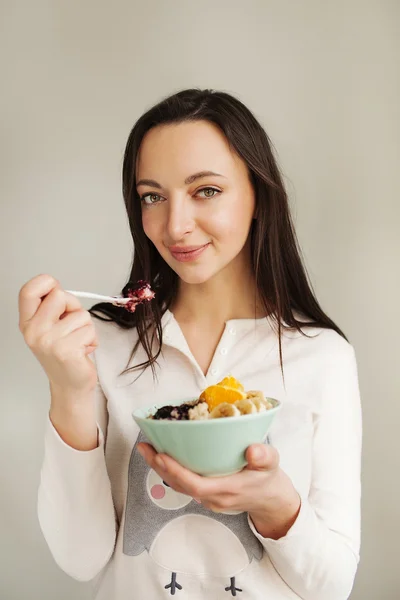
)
(141, 292)
(216, 402)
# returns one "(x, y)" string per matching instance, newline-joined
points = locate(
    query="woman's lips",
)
(187, 254)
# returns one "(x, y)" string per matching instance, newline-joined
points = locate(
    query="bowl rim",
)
(165, 422)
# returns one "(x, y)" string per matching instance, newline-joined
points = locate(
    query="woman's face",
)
(197, 199)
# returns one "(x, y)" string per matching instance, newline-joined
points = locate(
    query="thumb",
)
(262, 457)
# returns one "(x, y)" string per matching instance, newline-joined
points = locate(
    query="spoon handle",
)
(96, 296)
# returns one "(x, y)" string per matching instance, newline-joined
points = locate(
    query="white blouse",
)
(108, 518)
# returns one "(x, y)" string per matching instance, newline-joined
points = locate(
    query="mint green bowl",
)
(214, 447)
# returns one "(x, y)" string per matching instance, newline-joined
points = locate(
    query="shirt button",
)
(224, 351)
(214, 371)
(232, 331)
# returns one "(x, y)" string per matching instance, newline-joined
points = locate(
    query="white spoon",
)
(112, 299)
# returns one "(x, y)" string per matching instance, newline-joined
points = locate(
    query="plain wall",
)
(323, 78)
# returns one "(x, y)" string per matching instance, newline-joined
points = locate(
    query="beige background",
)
(323, 77)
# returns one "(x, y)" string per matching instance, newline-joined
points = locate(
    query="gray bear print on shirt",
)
(181, 535)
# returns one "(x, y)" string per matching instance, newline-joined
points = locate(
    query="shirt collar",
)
(173, 336)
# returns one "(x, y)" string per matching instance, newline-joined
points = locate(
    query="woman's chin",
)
(194, 276)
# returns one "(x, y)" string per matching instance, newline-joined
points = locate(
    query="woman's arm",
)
(75, 507)
(319, 555)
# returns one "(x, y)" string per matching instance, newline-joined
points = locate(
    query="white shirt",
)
(103, 521)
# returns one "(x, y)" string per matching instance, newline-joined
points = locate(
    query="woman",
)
(213, 235)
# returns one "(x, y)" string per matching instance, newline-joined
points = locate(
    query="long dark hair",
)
(279, 272)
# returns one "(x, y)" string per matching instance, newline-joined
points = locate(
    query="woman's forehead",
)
(180, 150)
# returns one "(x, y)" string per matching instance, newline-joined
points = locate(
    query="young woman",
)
(213, 235)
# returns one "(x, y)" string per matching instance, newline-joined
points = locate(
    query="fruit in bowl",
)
(210, 434)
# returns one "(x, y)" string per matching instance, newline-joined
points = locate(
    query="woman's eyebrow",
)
(188, 180)
(200, 175)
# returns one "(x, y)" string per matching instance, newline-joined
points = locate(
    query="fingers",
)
(89, 350)
(180, 478)
(43, 306)
(53, 306)
(156, 462)
(71, 322)
(66, 348)
(193, 484)
(78, 328)
(262, 457)
(43, 298)
(238, 492)
(31, 294)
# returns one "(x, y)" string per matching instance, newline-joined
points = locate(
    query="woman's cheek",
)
(150, 226)
(225, 223)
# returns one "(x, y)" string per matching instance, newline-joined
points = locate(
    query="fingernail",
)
(258, 454)
(197, 500)
(141, 451)
(160, 463)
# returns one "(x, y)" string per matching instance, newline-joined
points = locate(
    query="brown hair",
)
(279, 272)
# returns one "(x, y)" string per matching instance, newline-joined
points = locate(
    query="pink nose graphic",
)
(157, 491)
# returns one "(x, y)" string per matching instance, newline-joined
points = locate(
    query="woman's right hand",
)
(60, 333)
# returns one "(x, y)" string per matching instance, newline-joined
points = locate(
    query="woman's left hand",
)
(261, 489)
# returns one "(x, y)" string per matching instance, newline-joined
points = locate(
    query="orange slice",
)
(232, 382)
(216, 394)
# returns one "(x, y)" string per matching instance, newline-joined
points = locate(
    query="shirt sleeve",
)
(75, 506)
(319, 555)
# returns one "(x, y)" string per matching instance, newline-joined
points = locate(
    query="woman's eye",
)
(208, 192)
(150, 199)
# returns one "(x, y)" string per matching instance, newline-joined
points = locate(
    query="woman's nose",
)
(180, 219)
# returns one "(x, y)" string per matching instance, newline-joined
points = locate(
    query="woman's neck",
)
(231, 294)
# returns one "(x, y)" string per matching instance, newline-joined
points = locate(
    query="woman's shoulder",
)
(330, 342)
(324, 342)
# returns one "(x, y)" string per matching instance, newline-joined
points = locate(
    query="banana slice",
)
(225, 409)
(259, 400)
(259, 404)
(246, 407)
(251, 394)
